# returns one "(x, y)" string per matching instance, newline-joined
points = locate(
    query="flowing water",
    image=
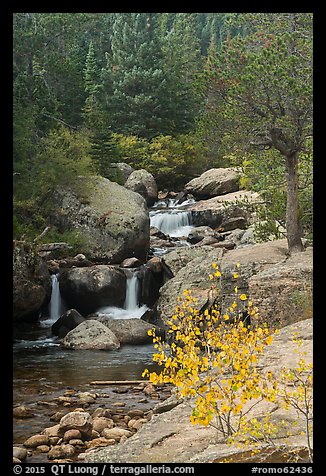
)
(171, 218)
(42, 369)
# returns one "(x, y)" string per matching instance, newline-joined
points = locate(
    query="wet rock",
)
(87, 289)
(19, 452)
(135, 413)
(22, 412)
(43, 448)
(91, 334)
(52, 431)
(86, 397)
(57, 416)
(130, 263)
(100, 423)
(71, 435)
(102, 412)
(81, 421)
(62, 451)
(149, 389)
(36, 440)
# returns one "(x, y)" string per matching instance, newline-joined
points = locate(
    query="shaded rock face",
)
(261, 266)
(68, 321)
(214, 182)
(143, 182)
(91, 334)
(112, 220)
(31, 282)
(87, 289)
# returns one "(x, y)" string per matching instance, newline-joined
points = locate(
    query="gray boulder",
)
(112, 220)
(194, 275)
(143, 182)
(214, 182)
(130, 331)
(226, 212)
(87, 289)
(91, 334)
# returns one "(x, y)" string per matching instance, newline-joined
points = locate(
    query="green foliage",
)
(172, 160)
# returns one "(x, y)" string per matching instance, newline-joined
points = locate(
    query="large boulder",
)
(91, 334)
(130, 331)
(87, 289)
(31, 281)
(193, 277)
(112, 221)
(260, 265)
(143, 182)
(226, 212)
(214, 182)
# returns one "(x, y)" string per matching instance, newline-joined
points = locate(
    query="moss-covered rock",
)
(113, 221)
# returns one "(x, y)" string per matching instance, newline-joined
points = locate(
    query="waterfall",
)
(56, 307)
(131, 307)
(174, 223)
(132, 292)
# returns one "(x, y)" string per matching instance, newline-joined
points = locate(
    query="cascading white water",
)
(174, 223)
(132, 292)
(56, 307)
(131, 307)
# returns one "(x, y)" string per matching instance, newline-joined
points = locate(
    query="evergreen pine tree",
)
(137, 76)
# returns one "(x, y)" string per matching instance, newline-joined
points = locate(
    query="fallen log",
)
(118, 382)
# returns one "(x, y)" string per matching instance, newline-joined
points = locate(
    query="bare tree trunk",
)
(292, 205)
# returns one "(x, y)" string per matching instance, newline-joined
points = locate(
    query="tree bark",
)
(292, 205)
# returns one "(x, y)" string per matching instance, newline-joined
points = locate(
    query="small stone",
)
(72, 434)
(138, 423)
(16, 460)
(115, 433)
(54, 440)
(136, 413)
(57, 416)
(36, 440)
(43, 449)
(149, 389)
(52, 431)
(76, 442)
(95, 434)
(119, 404)
(81, 421)
(97, 442)
(22, 412)
(62, 451)
(123, 439)
(99, 423)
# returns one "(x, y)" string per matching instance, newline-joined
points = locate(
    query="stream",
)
(43, 370)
